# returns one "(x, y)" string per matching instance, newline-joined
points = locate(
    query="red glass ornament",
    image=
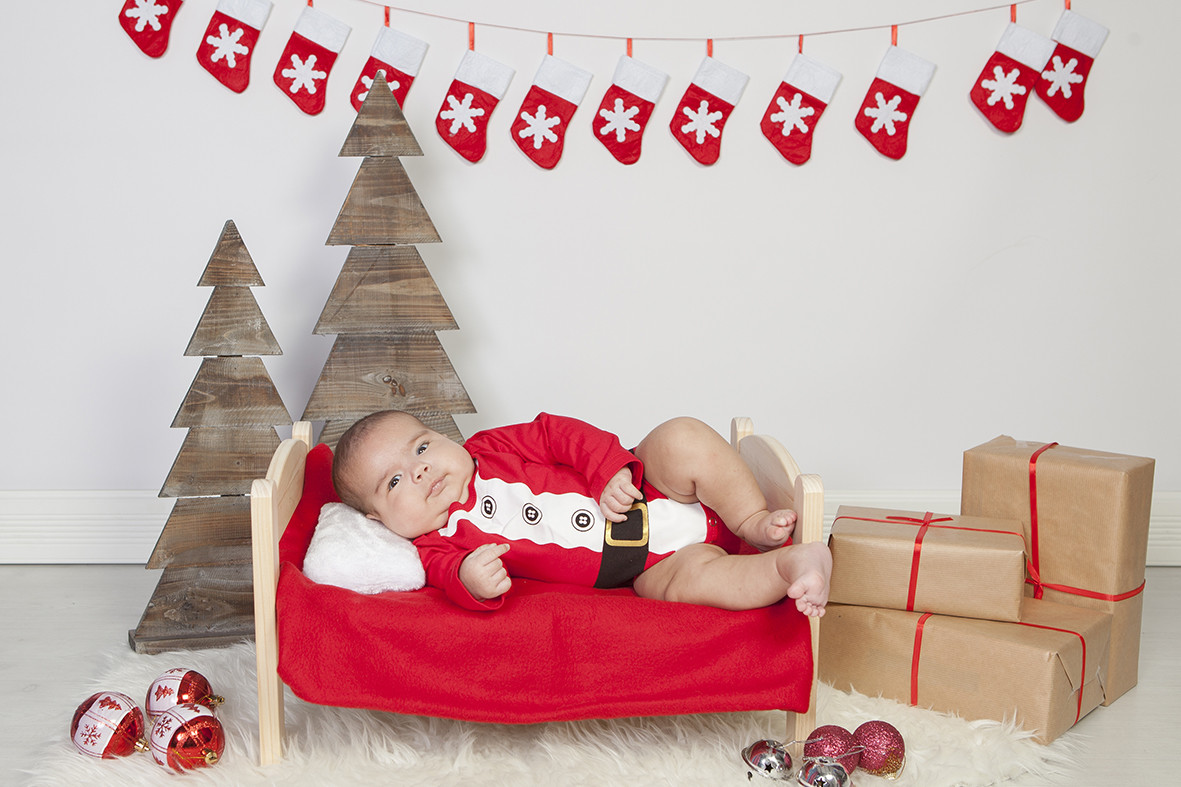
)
(108, 725)
(179, 687)
(186, 737)
(834, 742)
(883, 752)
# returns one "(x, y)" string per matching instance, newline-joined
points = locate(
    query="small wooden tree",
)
(205, 596)
(385, 307)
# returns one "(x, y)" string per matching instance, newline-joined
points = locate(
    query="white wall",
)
(878, 316)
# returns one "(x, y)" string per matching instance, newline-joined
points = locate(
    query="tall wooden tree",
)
(385, 307)
(205, 595)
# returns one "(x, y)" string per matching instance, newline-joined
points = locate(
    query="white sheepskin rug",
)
(337, 746)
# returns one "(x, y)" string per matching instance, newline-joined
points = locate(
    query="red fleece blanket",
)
(551, 653)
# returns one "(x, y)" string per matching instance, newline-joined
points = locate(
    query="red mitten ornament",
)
(795, 109)
(885, 113)
(627, 107)
(108, 725)
(1077, 43)
(306, 62)
(149, 23)
(541, 123)
(228, 43)
(705, 107)
(396, 54)
(180, 686)
(479, 84)
(186, 737)
(1007, 81)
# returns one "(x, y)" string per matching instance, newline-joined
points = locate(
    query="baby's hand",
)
(483, 573)
(618, 496)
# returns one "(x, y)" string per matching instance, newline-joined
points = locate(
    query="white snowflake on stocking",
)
(1003, 86)
(619, 120)
(304, 74)
(225, 44)
(1061, 76)
(792, 115)
(701, 122)
(538, 126)
(368, 83)
(885, 114)
(461, 114)
(146, 13)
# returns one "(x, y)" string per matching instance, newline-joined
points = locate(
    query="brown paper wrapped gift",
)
(1045, 672)
(1090, 510)
(950, 565)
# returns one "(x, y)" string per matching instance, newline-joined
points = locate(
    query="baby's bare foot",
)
(807, 569)
(769, 529)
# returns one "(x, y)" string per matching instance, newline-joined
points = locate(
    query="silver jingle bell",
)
(823, 772)
(768, 758)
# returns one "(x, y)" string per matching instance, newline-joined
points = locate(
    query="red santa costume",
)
(536, 488)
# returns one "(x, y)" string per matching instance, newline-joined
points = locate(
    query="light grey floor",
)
(59, 621)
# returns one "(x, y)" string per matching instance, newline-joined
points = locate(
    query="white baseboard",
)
(122, 527)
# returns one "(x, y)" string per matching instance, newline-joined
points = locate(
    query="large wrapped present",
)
(1085, 518)
(949, 565)
(1044, 672)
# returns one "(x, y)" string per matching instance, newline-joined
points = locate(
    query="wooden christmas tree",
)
(205, 594)
(385, 307)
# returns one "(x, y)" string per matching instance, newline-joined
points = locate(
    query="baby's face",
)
(411, 475)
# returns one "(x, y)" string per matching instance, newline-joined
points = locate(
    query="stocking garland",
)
(149, 23)
(1078, 41)
(307, 60)
(705, 107)
(479, 84)
(889, 104)
(790, 120)
(228, 44)
(1008, 79)
(540, 126)
(398, 55)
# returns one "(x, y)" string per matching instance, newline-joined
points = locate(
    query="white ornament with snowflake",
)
(1077, 43)
(396, 54)
(462, 121)
(790, 120)
(888, 107)
(626, 108)
(1007, 81)
(148, 23)
(705, 107)
(227, 47)
(539, 129)
(307, 60)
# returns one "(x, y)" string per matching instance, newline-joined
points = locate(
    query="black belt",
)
(625, 548)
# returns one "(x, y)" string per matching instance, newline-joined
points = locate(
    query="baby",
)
(561, 501)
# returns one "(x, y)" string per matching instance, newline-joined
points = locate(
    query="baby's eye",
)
(421, 448)
(394, 481)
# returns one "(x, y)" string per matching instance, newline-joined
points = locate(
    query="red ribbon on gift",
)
(1033, 565)
(1083, 677)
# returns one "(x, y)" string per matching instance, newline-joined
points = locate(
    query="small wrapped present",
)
(1085, 519)
(949, 565)
(1045, 672)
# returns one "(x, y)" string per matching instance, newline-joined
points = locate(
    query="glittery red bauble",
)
(107, 725)
(187, 736)
(179, 687)
(883, 750)
(835, 742)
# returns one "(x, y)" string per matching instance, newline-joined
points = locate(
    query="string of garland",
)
(1025, 62)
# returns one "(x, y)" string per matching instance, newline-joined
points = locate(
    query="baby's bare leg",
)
(688, 461)
(705, 574)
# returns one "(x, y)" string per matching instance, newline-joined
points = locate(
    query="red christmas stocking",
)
(1078, 42)
(149, 22)
(796, 107)
(704, 109)
(627, 107)
(479, 84)
(885, 113)
(399, 56)
(1007, 81)
(303, 68)
(540, 126)
(228, 44)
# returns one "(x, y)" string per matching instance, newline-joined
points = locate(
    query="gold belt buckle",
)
(610, 539)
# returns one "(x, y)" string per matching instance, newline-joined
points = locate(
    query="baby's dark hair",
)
(346, 450)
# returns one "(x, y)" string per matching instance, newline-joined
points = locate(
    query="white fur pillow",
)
(352, 551)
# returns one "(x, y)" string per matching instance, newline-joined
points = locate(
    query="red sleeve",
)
(441, 559)
(557, 439)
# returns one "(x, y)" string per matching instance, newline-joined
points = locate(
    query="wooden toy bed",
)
(551, 653)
